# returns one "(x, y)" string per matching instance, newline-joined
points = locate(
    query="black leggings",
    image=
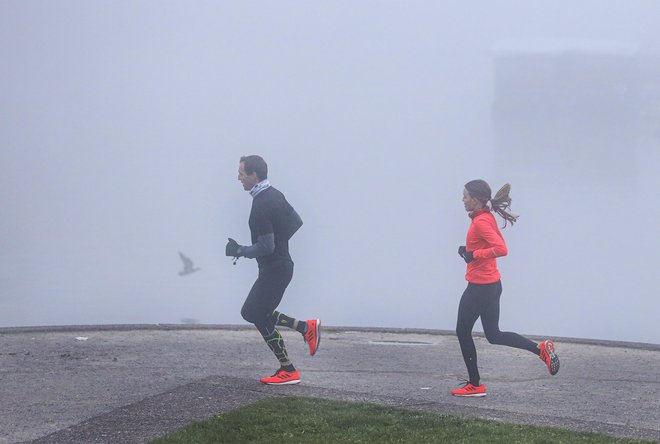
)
(265, 295)
(484, 300)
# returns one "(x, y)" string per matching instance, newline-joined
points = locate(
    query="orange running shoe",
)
(548, 356)
(282, 377)
(470, 391)
(313, 335)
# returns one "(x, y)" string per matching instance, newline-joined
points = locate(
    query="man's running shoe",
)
(282, 377)
(470, 391)
(548, 356)
(313, 335)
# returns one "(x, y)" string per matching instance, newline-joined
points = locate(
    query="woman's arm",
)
(487, 230)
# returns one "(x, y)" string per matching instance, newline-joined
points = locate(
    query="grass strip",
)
(305, 420)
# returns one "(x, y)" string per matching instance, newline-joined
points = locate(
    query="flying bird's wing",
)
(187, 263)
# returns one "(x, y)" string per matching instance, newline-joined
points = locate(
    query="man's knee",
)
(259, 318)
(249, 314)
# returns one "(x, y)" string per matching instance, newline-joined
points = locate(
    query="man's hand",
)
(231, 249)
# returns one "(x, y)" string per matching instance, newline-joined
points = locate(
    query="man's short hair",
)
(255, 164)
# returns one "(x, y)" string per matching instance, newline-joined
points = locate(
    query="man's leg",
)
(265, 295)
(275, 342)
(310, 329)
(282, 320)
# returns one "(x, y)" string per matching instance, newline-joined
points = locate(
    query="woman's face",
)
(470, 202)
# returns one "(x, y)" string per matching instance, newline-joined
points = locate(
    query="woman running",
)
(481, 298)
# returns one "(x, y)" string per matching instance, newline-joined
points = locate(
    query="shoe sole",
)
(553, 367)
(475, 395)
(318, 336)
(297, 381)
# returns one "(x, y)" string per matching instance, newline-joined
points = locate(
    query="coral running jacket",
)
(486, 243)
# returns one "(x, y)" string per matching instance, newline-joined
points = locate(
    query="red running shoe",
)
(470, 391)
(548, 356)
(313, 335)
(282, 377)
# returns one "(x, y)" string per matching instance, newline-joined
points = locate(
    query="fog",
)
(122, 123)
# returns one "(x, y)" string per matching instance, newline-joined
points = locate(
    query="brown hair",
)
(255, 164)
(480, 190)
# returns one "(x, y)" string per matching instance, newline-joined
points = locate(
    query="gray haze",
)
(121, 126)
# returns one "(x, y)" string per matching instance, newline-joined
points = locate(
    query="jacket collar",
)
(476, 213)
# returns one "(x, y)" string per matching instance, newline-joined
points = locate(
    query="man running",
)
(272, 223)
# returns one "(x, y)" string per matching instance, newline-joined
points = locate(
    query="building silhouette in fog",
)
(578, 113)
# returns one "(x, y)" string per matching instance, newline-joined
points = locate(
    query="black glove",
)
(461, 250)
(468, 256)
(232, 248)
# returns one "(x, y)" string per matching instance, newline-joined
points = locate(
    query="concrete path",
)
(133, 383)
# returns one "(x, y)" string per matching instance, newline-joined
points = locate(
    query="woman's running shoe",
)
(313, 335)
(470, 391)
(548, 356)
(282, 377)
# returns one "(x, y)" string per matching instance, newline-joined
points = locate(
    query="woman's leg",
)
(468, 313)
(490, 318)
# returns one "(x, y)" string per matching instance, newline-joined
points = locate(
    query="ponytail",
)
(501, 202)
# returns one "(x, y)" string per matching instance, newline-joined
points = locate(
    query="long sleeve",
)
(486, 230)
(264, 246)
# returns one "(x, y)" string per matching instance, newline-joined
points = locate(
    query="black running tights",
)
(483, 300)
(264, 297)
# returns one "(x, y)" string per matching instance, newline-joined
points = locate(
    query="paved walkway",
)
(130, 384)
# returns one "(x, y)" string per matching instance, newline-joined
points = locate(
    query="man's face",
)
(248, 180)
(470, 202)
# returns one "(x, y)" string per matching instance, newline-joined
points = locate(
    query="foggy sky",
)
(121, 126)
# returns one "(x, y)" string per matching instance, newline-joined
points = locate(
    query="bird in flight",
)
(188, 266)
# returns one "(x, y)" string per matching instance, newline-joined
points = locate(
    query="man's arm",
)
(264, 246)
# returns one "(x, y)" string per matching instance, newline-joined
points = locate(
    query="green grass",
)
(304, 420)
